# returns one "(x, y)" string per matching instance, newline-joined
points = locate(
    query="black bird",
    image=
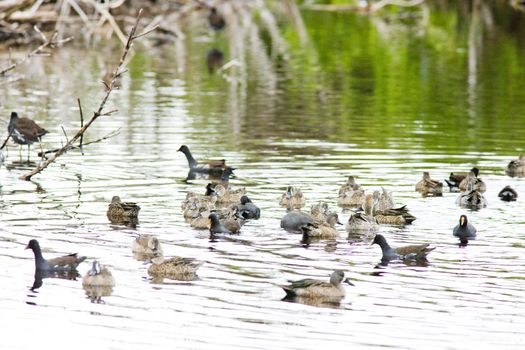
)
(417, 251)
(213, 168)
(63, 263)
(24, 131)
(216, 20)
(465, 231)
(216, 227)
(508, 194)
(248, 210)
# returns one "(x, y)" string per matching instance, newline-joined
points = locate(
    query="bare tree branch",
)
(51, 42)
(99, 112)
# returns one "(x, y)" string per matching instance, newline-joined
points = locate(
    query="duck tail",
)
(290, 293)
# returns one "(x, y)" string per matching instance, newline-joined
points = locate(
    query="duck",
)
(193, 200)
(395, 216)
(24, 131)
(351, 194)
(418, 251)
(465, 231)
(429, 187)
(293, 197)
(119, 209)
(516, 167)
(99, 275)
(173, 267)
(216, 20)
(313, 288)
(294, 221)
(383, 200)
(213, 168)
(60, 264)
(320, 211)
(472, 177)
(248, 210)
(363, 221)
(194, 210)
(508, 194)
(324, 230)
(146, 244)
(471, 198)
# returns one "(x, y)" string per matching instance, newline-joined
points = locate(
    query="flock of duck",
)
(223, 210)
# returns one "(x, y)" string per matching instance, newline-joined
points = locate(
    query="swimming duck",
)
(418, 251)
(173, 267)
(383, 200)
(63, 263)
(472, 178)
(293, 197)
(465, 231)
(365, 220)
(213, 168)
(24, 131)
(99, 275)
(194, 201)
(324, 230)
(147, 245)
(508, 194)
(516, 167)
(216, 20)
(247, 209)
(119, 209)
(349, 186)
(429, 187)
(351, 194)
(294, 220)
(318, 289)
(471, 198)
(394, 216)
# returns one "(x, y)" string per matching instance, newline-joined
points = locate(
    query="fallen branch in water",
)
(48, 42)
(108, 136)
(99, 112)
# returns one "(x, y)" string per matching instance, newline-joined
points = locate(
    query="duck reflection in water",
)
(214, 60)
(40, 275)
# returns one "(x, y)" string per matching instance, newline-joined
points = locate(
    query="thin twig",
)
(48, 43)
(7, 139)
(99, 112)
(81, 124)
(108, 136)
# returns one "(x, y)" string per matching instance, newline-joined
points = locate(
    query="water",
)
(379, 100)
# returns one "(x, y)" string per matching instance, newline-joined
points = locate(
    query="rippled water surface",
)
(380, 100)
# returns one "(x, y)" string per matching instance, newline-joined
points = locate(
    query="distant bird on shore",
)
(216, 20)
(24, 131)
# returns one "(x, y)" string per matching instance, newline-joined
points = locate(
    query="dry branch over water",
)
(100, 111)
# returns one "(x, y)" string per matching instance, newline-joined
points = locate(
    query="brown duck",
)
(119, 209)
